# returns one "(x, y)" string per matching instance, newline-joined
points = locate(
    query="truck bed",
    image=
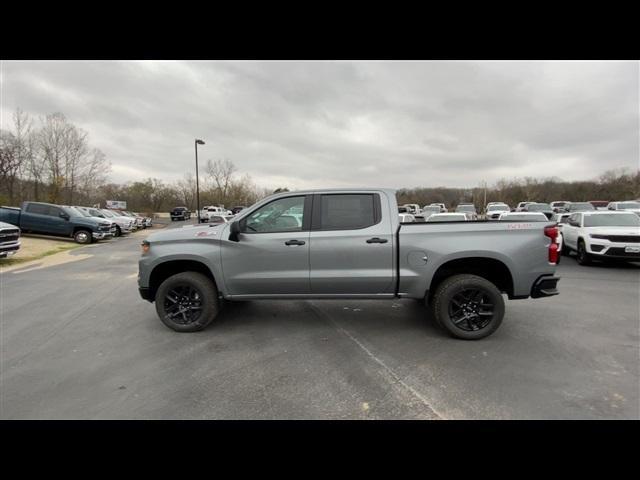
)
(520, 246)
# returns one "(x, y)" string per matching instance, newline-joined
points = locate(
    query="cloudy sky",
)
(320, 124)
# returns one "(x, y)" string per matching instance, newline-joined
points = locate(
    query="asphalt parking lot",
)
(77, 342)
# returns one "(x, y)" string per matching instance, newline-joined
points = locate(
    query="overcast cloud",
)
(321, 124)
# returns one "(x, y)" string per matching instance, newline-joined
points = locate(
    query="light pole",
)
(198, 142)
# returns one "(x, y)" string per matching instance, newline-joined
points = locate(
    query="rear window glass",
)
(347, 212)
(38, 208)
(524, 218)
(538, 207)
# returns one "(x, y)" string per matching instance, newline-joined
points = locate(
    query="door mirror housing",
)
(63, 215)
(234, 231)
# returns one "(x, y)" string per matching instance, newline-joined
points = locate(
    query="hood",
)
(187, 232)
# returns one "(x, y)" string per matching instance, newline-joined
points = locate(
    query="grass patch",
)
(16, 259)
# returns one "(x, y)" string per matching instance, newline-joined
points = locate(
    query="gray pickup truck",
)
(336, 244)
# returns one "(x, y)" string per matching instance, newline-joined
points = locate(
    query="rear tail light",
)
(552, 233)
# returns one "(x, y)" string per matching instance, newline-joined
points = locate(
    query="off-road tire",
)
(453, 286)
(208, 300)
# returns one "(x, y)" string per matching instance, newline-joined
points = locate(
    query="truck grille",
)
(9, 236)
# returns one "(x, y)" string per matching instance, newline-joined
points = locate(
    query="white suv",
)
(600, 234)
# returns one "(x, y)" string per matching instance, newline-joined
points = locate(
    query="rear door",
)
(36, 217)
(351, 245)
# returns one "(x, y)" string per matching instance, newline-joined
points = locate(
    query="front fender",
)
(203, 251)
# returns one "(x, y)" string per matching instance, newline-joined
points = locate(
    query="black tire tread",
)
(211, 304)
(451, 283)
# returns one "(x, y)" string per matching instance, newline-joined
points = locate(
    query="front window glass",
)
(282, 215)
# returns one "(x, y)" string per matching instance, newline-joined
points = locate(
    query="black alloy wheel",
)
(471, 309)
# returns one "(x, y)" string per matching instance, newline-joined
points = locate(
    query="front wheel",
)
(583, 257)
(469, 307)
(187, 302)
(82, 236)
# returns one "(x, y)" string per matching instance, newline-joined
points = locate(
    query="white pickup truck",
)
(336, 244)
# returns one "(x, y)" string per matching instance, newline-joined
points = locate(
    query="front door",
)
(271, 256)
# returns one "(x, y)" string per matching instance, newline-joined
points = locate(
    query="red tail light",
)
(552, 233)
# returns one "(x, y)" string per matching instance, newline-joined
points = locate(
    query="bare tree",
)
(220, 173)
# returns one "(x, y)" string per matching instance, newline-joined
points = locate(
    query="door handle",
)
(294, 242)
(377, 240)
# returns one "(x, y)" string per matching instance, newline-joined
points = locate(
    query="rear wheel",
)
(187, 302)
(469, 307)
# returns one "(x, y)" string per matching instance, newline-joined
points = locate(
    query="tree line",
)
(620, 184)
(52, 160)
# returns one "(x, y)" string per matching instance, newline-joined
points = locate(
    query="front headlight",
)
(601, 237)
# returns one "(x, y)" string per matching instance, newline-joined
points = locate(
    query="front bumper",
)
(101, 235)
(606, 249)
(9, 249)
(545, 286)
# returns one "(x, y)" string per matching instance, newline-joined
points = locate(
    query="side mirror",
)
(64, 215)
(234, 231)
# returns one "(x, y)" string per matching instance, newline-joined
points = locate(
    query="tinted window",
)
(282, 215)
(498, 208)
(347, 212)
(38, 208)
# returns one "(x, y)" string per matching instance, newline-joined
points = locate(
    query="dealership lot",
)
(78, 342)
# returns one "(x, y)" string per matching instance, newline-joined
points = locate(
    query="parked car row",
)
(593, 230)
(83, 224)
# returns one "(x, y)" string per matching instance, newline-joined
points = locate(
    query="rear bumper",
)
(545, 286)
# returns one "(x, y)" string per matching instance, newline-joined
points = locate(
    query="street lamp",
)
(198, 142)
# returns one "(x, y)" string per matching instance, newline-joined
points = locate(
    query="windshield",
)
(431, 209)
(72, 212)
(498, 208)
(628, 205)
(524, 218)
(466, 208)
(82, 212)
(538, 207)
(612, 220)
(107, 213)
(581, 207)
